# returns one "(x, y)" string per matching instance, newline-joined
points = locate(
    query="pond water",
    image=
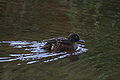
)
(22, 43)
(25, 23)
(36, 54)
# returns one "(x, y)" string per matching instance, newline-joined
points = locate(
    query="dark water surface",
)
(24, 24)
(23, 42)
(20, 42)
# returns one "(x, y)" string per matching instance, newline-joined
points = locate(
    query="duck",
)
(61, 44)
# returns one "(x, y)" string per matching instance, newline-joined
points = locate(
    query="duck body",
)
(61, 44)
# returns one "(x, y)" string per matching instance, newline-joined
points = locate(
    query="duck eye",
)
(76, 37)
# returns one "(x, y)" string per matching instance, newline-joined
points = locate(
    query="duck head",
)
(74, 38)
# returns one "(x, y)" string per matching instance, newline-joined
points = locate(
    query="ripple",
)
(37, 54)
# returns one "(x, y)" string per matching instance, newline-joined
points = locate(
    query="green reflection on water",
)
(97, 22)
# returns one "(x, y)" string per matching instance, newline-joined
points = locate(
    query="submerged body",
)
(61, 44)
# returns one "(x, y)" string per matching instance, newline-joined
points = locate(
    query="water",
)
(22, 41)
(36, 53)
(25, 23)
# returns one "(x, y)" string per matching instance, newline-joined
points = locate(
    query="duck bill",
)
(81, 40)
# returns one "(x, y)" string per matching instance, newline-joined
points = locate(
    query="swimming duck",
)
(62, 44)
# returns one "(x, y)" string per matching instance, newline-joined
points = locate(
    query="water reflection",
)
(36, 53)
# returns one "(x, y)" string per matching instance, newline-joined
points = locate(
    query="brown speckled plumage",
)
(61, 44)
